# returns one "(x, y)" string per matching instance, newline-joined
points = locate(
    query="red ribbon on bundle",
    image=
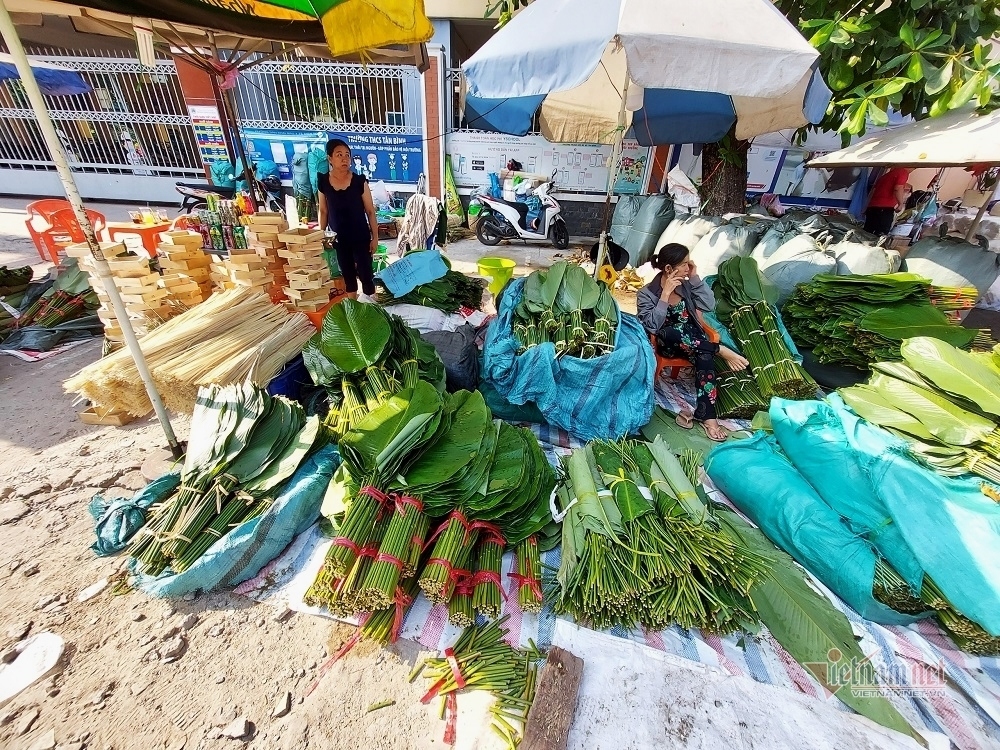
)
(451, 726)
(464, 583)
(393, 561)
(489, 576)
(374, 493)
(402, 602)
(369, 552)
(402, 502)
(343, 541)
(456, 672)
(455, 515)
(491, 532)
(348, 645)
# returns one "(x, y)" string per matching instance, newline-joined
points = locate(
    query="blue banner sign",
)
(378, 156)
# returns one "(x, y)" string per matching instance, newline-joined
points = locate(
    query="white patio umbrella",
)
(673, 71)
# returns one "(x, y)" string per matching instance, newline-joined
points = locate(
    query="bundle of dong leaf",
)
(565, 306)
(424, 460)
(245, 444)
(14, 280)
(858, 320)
(451, 292)
(640, 547)
(944, 401)
(744, 304)
(363, 356)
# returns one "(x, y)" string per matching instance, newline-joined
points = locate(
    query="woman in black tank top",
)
(346, 207)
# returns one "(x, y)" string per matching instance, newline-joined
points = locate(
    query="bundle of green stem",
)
(481, 659)
(744, 303)
(529, 572)
(944, 401)
(950, 298)
(60, 307)
(738, 394)
(363, 356)
(449, 294)
(639, 547)
(233, 337)
(244, 445)
(564, 306)
(858, 320)
(890, 589)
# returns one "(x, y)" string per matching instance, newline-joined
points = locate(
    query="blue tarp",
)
(117, 521)
(53, 80)
(606, 397)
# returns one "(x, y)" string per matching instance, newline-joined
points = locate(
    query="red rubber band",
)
(393, 561)
(456, 672)
(464, 584)
(374, 493)
(402, 502)
(491, 532)
(531, 582)
(402, 602)
(343, 541)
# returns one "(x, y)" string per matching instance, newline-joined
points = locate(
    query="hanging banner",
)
(208, 131)
(579, 168)
(378, 156)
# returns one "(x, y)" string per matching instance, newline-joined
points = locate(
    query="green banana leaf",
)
(321, 369)
(954, 371)
(807, 625)
(869, 404)
(901, 371)
(946, 422)
(900, 322)
(551, 282)
(354, 335)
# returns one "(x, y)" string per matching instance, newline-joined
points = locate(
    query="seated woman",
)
(668, 308)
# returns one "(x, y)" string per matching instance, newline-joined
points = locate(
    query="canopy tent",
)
(358, 27)
(53, 80)
(956, 139)
(963, 138)
(349, 27)
(670, 71)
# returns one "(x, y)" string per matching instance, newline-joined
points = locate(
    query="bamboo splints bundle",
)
(232, 337)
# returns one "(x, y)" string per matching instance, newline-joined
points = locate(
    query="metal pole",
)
(616, 161)
(10, 37)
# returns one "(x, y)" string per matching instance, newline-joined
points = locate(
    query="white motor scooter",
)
(507, 220)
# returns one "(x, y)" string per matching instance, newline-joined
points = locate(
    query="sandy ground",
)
(115, 686)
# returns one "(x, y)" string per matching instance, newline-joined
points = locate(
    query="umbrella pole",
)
(9, 34)
(616, 161)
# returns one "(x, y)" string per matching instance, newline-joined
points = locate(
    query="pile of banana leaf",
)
(244, 446)
(944, 401)
(435, 474)
(640, 547)
(451, 292)
(363, 355)
(858, 320)
(744, 304)
(564, 306)
(14, 280)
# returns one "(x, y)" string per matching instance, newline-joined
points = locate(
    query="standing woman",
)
(347, 208)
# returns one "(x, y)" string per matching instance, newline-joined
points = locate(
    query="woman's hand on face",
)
(671, 280)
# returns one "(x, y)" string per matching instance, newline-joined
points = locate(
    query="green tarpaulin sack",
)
(762, 483)
(654, 216)
(814, 437)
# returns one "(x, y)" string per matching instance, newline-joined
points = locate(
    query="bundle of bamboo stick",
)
(232, 337)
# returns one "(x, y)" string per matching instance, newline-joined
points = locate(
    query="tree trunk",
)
(724, 175)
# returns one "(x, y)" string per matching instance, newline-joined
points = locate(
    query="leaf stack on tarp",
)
(363, 355)
(450, 293)
(943, 401)
(565, 306)
(422, 460)
(244, 445)
(858, 320)
(744, 304)
(639, 546)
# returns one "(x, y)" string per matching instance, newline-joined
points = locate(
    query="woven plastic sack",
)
(864, 260)
(787, 509)
(687, 230)
(606, 397)
(116, 521)
(623, 218)
(796, 262)
(654, 216)
(815, 439)
(723, 243)
(776, 235)
(244, 551)
(948, 261)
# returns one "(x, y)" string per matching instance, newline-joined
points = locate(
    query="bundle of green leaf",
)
(481, 659)
(363, 356)
(423, 457)
(14, 280)
(244, 445)
(744, 301)
(451, 292)
(640, 547)
(564, 306)
(739, 397)
(945, 402)
(857, 320)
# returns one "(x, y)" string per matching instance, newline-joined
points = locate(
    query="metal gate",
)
(134, 122)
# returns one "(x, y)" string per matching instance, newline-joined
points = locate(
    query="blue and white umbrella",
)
(688, 72)
(53, 80)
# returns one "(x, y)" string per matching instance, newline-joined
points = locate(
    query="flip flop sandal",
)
(709, 435)
(684, 421)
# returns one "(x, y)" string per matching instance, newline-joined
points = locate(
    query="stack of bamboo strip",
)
(232, 337)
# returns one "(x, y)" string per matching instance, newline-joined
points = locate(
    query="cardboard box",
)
(93, 415)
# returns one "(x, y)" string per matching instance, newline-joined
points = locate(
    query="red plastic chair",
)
(39, 222)
(65, 230)
(677, 363)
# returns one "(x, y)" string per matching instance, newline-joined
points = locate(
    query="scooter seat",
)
(522, 211)
(208, 188)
